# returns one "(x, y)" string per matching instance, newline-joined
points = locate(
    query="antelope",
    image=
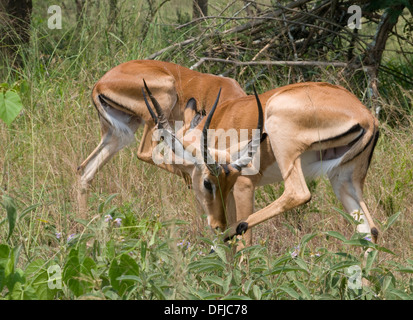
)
(306, 130)
(118, 101)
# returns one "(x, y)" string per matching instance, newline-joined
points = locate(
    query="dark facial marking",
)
(208, 185)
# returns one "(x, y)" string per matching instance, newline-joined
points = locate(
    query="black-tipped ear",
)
(191, 104)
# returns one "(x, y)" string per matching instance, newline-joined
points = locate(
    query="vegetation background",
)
(145, 237)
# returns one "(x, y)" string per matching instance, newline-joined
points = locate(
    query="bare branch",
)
(273, 63)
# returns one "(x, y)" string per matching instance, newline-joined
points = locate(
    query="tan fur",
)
(302, 121)
(173, 85)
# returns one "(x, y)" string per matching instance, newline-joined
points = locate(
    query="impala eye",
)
(208, 185)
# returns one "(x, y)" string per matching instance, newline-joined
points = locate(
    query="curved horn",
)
(208, 160)
(153, 115)
(163, 121)
(254, 144)
(176, 145)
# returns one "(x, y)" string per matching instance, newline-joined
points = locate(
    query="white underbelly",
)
(311, 166)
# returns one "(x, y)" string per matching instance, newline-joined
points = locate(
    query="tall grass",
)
(160, 249)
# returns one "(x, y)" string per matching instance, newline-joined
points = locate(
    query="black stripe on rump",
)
(354, 128)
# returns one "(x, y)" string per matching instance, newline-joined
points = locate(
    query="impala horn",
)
(209, 161)
(254, 144)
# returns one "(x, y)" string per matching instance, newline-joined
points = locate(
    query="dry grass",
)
(58, 128)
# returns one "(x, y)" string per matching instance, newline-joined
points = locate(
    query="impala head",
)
(211, 181)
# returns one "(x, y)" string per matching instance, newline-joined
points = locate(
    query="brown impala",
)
(118, 100)
(310, 129)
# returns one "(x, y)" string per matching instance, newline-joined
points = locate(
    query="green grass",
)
(148, 256)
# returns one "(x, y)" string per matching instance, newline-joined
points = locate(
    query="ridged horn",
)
(209, 161)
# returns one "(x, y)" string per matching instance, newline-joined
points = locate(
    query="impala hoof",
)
(241, 228)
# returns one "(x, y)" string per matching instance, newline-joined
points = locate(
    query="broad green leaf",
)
(400, 294)
(35, 267)
(303, 289)
(213, 279)
(290, 291)
(257, 292)
(405, 269)
(126, 267)
(336, 235)
(301, 263)
(220, 251)
(4, 260)
(227, 282)
(206, 265)
(370, 259)
(41, 286)
(247, 285)
(10, 106)
(360, 243)
(4, 253)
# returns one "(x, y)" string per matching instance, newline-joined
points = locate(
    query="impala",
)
(118, 99)
(311, 129)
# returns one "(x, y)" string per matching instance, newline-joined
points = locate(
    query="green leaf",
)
(371, 256)
(126, 267)
(103, 204)
(385, 250)
(405, 269)
(285, 269)
(391, 220)
(336, 235)
(307, 238)
(4, 259)
(227, 283)
(257, 292)
(290, 291)
(10, 206)
(360, 243)
(303, 289)
(234, 297)
(220, 251)
(77, 273)
(301, 263)
(10, 106)
(247, 285)
(400, 294)
(347, 216)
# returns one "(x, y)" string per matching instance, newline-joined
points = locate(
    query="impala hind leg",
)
(106, 149)
(112, 141)
(348, 187)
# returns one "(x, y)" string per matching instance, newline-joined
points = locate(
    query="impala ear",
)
(190, 111)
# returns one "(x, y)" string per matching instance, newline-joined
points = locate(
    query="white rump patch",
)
(119, 122)
(313, 168)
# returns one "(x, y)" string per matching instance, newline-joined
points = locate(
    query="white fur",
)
(119, 122)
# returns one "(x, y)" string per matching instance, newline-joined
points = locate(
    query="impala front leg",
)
(296, 193)
(244, 189)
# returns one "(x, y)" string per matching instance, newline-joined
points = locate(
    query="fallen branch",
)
(249, 25)
(273, 63)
